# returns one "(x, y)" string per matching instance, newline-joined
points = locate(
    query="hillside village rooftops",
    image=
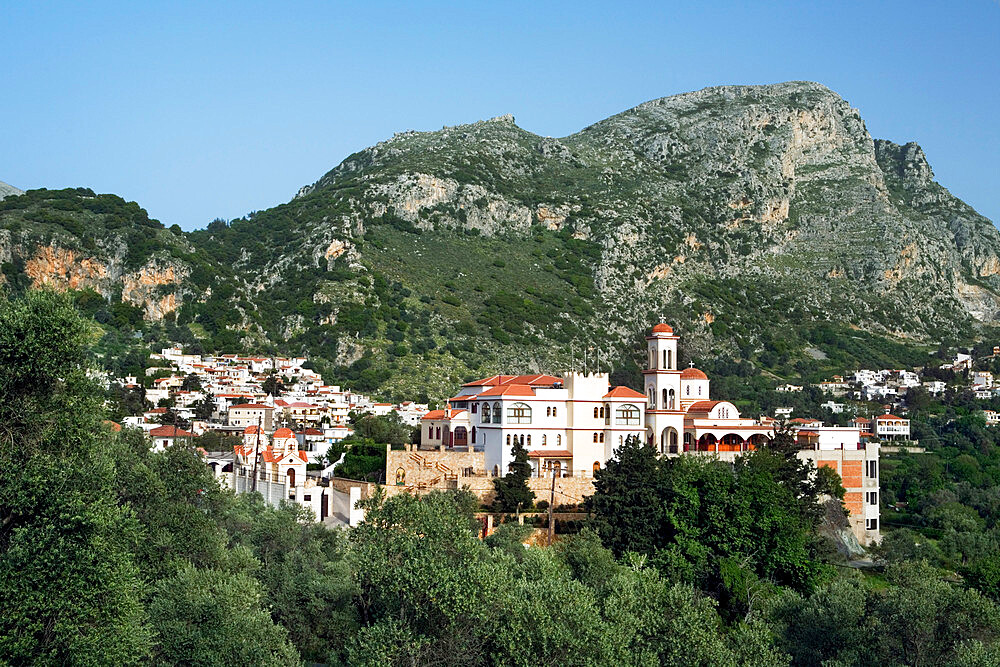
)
(622, 391)
(251, 406)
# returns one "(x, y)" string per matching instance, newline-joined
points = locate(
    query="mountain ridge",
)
(759, 220)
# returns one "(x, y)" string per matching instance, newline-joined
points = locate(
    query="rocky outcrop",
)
(8, 190)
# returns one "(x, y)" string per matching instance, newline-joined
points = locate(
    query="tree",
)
(212, 617)
(69, 585)
(272, 385)
(388, 429)
(511, 492)
(364, 459)
(694, 516)
(191, 382)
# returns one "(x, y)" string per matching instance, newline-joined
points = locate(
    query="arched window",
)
(486, 416)
(519, 413)
(666, 403)
(652, 359)
(430, 432)
(558, 440)
(595, 437)
(545, 439)
(475, 406)
(670, 400)
(651, 397)
(597, 466)
(548, 411)
(699, 390)
(522, 440)
(496, 469)
(496, 413)
(627, 415)
(670, 359)
(438, 431)
(508, 439)
(596, 412)
(529, 440)
(600, 437)
(687, 390)
(553, 411)
(607, 413)
(621, 440)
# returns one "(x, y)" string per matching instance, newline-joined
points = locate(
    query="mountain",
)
(763, 222)
(7, 190)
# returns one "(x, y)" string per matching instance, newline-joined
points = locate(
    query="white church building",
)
(572, 423)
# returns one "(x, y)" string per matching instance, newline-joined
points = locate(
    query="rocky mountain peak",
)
(8, 190)
(907, 163)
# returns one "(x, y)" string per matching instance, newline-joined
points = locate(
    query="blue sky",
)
(200, 110)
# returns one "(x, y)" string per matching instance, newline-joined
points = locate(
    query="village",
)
(277, 421)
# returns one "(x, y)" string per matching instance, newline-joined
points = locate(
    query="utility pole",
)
(552, 501)
(256, 455)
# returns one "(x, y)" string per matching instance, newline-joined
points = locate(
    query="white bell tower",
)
(662, 380)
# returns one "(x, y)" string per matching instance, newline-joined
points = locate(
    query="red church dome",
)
(693, 374)
(663, 328)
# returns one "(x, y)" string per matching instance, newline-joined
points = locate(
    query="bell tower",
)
(662, 380)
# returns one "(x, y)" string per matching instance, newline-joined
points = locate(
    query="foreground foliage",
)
(113, 554)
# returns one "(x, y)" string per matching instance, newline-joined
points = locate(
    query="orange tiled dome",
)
(663, 328)
(693, 374)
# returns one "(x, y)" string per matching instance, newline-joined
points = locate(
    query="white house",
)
(165, 436)
(890, 426)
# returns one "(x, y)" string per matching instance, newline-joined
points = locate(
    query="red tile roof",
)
(170, 432)
(703, 406)
(443, 414)
(693, 374)
(802, 420)
(465, 397)
(550, 454)
(284, 433)
(509, 390)
(532, 380)
(663, 328)
(252, 406)
(624, 392)
(808, 433)
(312, 431)
(252, 430)
(888, 418)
